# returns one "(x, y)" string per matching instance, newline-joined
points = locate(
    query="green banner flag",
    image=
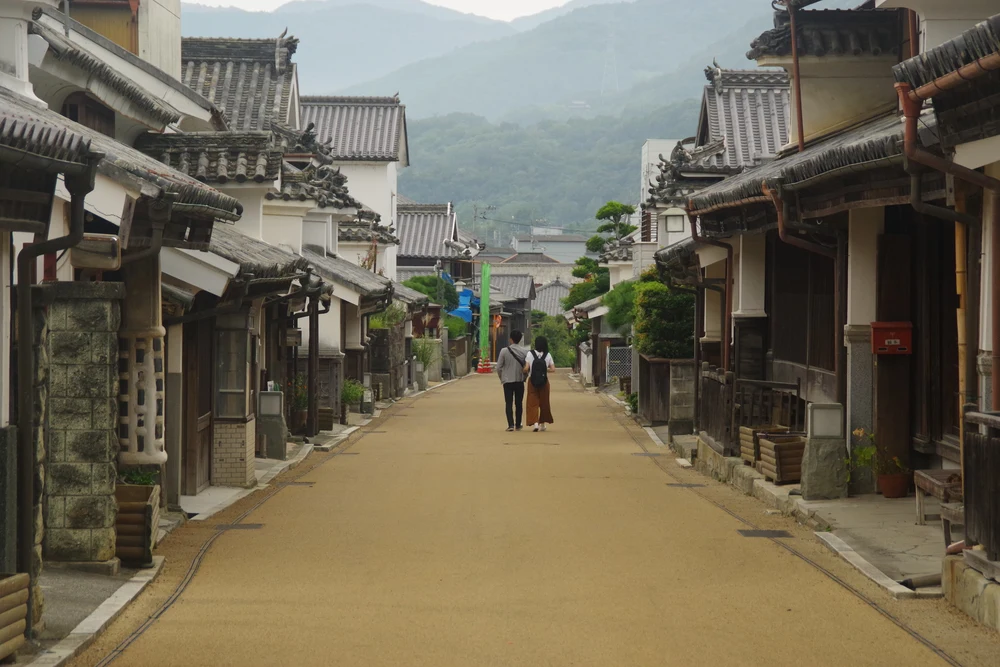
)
(485, 321)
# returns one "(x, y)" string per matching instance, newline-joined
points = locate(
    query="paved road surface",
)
(443, 540)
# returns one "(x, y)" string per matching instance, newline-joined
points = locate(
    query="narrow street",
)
(439, 539)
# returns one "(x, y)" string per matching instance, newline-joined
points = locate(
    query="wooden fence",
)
(981, 480)
(715, 409)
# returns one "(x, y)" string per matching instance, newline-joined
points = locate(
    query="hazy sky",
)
(497, 9)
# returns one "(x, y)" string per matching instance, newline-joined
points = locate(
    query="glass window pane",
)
(231, 374)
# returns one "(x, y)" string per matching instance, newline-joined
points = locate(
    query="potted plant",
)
(138, 495)
(299, 391)
(351, 395)
(892, 474)
(425, 352)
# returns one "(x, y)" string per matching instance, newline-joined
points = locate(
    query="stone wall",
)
(233, 454)
(78, 389)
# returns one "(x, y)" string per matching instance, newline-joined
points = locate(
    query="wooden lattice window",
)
(88, 112)
(232, 349)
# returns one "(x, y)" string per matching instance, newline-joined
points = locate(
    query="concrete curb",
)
(655, 438)
(285, 465)
(844, 550)
(84, 634)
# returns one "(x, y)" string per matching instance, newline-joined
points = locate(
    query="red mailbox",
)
(892, 338)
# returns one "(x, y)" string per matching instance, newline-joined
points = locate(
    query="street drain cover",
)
(649, 454)
(298, 484)
(687, 486)
(765, 533)
(531, 442)
(239, 526)
(375, 432)
(346, 454)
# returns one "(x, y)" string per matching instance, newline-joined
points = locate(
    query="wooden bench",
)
(945, 485)
(951, 513)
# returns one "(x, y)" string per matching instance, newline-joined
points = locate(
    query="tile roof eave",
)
(132, 59)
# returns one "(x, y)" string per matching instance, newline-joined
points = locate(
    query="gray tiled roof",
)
(403, 200)
(323, 184)
(876, 140)
(354, 233)
(124, 163)
(21, 133)
(744, 120)
(424, 230)
(832, 32)
(553, 238)
(254, 256)
(977, 42)
(341, 271)
(530, 258)
(515, 286)
(64, 50)
(371, 129)
(217, 157)
(251, 80)
(548, 297)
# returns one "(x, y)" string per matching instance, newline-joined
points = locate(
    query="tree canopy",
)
(430, 286)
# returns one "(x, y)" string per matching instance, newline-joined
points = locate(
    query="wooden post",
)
(312, 427)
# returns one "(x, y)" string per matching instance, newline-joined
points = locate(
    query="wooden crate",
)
(749, 444)
(138, 522)
(13, 612)
(781, 457)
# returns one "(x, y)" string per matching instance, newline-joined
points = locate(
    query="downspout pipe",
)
(912, 105)
(79, 186)
(781, 209)
(728, 315)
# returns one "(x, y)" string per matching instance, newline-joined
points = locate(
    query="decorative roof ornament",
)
(284, 49)
(714, 74)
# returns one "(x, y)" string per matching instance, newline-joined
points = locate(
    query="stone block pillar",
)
(862, 279)
(865, 226)
(77, 369)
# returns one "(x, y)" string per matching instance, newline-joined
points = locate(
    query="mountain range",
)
(586, 58)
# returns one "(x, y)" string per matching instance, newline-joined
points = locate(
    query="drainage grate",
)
(649, 454)
(346, 454)
(764, 533)
(297, 484)
(374, 432)
(687, 486)
(239, 526)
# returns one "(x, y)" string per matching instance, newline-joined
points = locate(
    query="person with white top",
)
(538, 366)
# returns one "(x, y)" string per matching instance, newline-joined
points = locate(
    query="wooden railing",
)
(981, 479)
(715, 409)
(758, 402)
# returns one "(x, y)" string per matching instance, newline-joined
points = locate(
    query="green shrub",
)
(139, 477)
(664, 322)
(389, 318)
(633, 403)
(352, 392)
(561, 345)
(426, 350)
(620, 302)
(431, 285)
(456, 326)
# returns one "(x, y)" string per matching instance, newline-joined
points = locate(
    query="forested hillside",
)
(557, 171)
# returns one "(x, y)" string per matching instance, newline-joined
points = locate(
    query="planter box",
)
(13, 612)
(750, 443)
(781, 457)
(138, 522)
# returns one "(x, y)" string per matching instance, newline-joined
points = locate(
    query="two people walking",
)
(518, 367)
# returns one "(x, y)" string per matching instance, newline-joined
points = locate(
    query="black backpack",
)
(539, 371)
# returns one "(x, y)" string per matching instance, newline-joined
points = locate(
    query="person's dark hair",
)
(516, 336)
(541, 345)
